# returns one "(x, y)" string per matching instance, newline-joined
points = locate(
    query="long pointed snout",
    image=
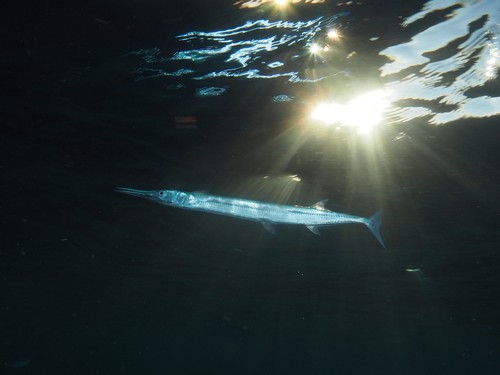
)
(149, 194)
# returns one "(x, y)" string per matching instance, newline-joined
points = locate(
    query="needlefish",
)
(266, 213)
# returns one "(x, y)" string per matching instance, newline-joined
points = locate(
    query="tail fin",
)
(374, 223)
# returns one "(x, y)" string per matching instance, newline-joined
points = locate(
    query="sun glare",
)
(333, 34)
(280, 2)
(314, 49)
(361, 113)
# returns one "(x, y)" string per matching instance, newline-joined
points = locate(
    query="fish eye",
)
(161, 193)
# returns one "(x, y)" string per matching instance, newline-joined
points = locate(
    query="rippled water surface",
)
(390, 105)
(446, 62)
(440, 66)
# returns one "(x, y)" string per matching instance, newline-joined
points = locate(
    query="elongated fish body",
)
(265, 213)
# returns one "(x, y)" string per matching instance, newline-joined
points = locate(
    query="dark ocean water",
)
(206, 95)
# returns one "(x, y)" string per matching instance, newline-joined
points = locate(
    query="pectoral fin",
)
(313, 229)
(268, 226)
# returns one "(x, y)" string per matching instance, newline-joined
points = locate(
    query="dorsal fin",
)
(320, 205)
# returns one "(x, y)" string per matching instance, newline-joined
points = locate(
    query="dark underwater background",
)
(216, 96)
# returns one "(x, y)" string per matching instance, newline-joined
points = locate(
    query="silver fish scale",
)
(273, 213)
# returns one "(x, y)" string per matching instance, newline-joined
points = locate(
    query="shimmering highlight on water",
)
(447, 80)
(245, 51)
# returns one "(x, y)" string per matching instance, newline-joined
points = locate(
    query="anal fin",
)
(268, 226)
(313, 229)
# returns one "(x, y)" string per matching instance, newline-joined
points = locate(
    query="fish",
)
(17, 363)
(268, 214)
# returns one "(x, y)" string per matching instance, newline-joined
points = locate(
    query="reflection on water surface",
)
(258, 3)
(441, 73)
(444, 62)
(256, 49)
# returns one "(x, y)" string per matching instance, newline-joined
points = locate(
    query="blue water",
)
(398, 110)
